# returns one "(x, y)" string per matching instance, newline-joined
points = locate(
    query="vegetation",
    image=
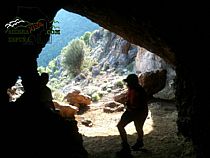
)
(86, 37)
(119, 84)
(73, 59)
(95, 97)
(74, 56)
(42, 69)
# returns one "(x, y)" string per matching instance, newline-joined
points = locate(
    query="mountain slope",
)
(71, 26)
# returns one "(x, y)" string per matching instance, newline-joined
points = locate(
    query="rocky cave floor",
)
(161, 139)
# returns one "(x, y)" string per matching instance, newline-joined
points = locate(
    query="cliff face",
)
(172, 30)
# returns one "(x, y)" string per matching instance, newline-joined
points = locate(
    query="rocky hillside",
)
(115, 58)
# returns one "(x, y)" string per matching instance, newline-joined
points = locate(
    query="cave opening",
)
(144, 62)
(109, 59)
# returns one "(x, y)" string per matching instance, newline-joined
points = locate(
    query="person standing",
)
(46, 97)
(137, 111)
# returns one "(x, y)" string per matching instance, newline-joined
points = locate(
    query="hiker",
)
(45, 92)
(137, 111)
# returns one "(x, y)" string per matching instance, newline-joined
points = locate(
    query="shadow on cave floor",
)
(161, 142)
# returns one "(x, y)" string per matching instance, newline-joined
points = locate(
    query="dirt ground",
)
(102, 140)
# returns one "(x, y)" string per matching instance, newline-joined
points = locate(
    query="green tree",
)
(73, 56)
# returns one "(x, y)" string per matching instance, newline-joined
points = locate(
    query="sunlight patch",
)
(106, 126)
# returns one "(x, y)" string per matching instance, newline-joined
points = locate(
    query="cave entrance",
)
(107, 60)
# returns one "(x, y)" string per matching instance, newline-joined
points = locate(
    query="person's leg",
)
(139, 123)
(125, 119)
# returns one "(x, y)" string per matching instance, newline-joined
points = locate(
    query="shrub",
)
(95, 97)
(119, 84)
(73, 56)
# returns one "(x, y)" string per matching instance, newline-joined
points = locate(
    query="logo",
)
(26, 32)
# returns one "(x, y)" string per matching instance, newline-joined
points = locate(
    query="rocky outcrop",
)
(15, 91)
(112, 106)
(66, 110)
(121, 97)
(147, 63)
(117, 53)
(111, 50)
(76, 98)
(153, 81)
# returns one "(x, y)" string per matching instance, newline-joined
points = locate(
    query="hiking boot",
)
(138, 145)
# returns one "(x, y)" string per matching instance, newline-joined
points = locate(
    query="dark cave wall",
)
(20, 57)
(28, 128)
(177, 32)
(192, 99)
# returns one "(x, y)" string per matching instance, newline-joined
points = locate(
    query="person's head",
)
(132, 80)
(44, 78)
